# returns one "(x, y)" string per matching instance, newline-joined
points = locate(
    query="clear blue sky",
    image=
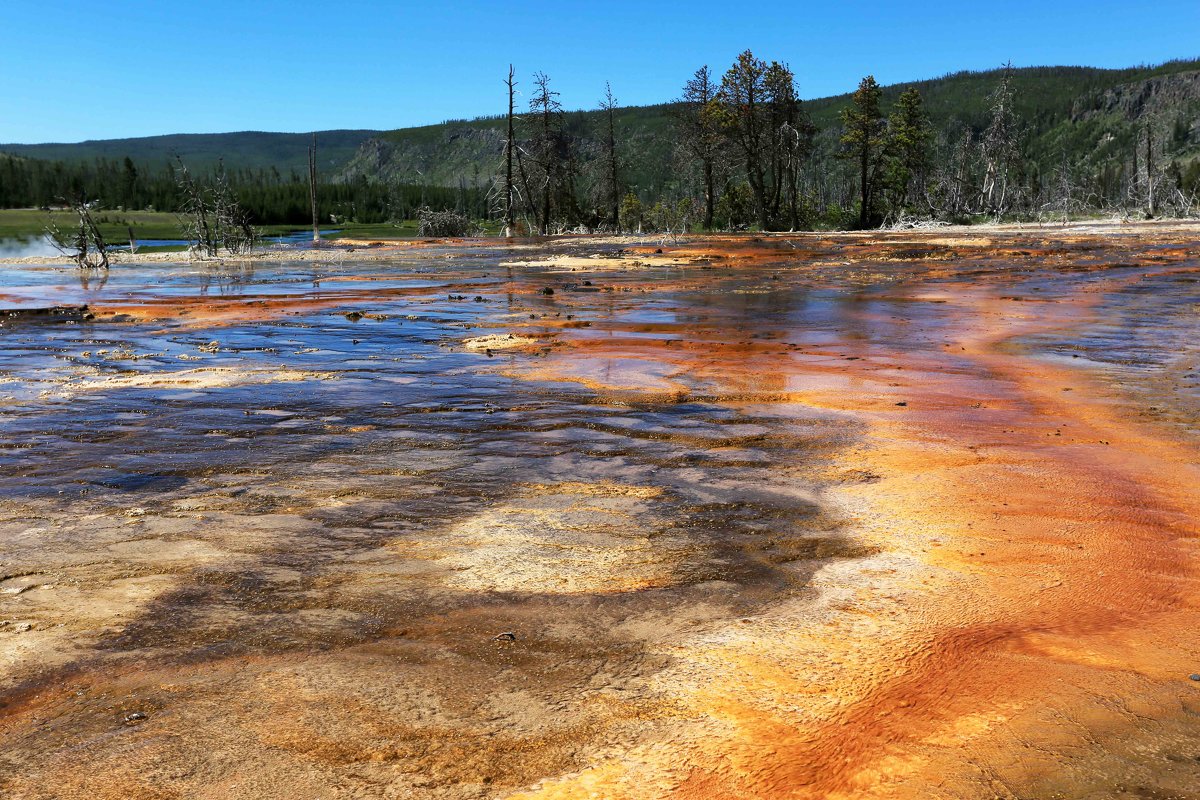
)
(144, 67)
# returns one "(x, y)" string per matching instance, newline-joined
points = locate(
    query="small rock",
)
(134, 718)
(507, 636)
(353, 316)
(902, 403)
(547, 290)
(1195, 676)
(22, 627)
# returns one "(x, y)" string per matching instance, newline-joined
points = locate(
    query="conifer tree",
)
(701, 132)
(743, 99)
(609, 106)
(909, 136)
(864, 138)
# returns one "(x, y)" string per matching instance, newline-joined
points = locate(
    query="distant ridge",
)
(242, 149)
(1088, 114)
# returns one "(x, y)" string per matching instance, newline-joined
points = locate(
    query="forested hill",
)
(1083, 115)
(249, 150)
(1087, 114)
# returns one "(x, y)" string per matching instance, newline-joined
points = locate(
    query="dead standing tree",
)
(211, 216)
(792, 143)
(195, 215)
(1065, 196)
(312, 189)
(510, 143)
(1000, 149)
(511, 194)
(85, 244)
(550, 154)
(1156, 162)
(956, 185)
(235, 231)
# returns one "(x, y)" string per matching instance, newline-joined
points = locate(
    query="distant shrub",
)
(444, 223)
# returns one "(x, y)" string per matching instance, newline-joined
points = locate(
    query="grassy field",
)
(22, 223)
(27, 223)
(115, 225)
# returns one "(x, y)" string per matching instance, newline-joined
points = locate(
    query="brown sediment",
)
(861, 544)
(1034, 623)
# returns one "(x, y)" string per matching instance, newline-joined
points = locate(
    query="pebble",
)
(507, 636)
(136, 716)
(1195, 676)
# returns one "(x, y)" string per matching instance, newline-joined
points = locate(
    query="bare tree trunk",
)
(1134, 178)
(312, 189)
(530, 214)
(708, 194)
(865, 199)
(1150, 209)
(509, 144)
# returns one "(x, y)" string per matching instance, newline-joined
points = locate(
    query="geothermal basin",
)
(903, 515)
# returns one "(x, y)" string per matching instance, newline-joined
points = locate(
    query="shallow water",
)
(225, 486)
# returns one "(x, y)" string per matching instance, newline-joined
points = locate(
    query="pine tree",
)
(909, 135)
(609, 106)
(864, 137)
(743, 99)
(701, 132)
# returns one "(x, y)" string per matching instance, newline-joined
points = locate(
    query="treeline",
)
(737, 150)
(267, 195)
(747, 154)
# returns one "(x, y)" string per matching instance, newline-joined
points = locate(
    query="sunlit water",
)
(304, 482)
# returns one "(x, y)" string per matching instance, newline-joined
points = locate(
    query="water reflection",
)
(227, 277)
(92, 279)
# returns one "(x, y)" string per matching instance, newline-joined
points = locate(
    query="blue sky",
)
(157, 67)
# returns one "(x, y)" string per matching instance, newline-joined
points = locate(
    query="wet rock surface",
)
(724, 518)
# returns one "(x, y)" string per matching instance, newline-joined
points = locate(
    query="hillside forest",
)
(738, 149)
